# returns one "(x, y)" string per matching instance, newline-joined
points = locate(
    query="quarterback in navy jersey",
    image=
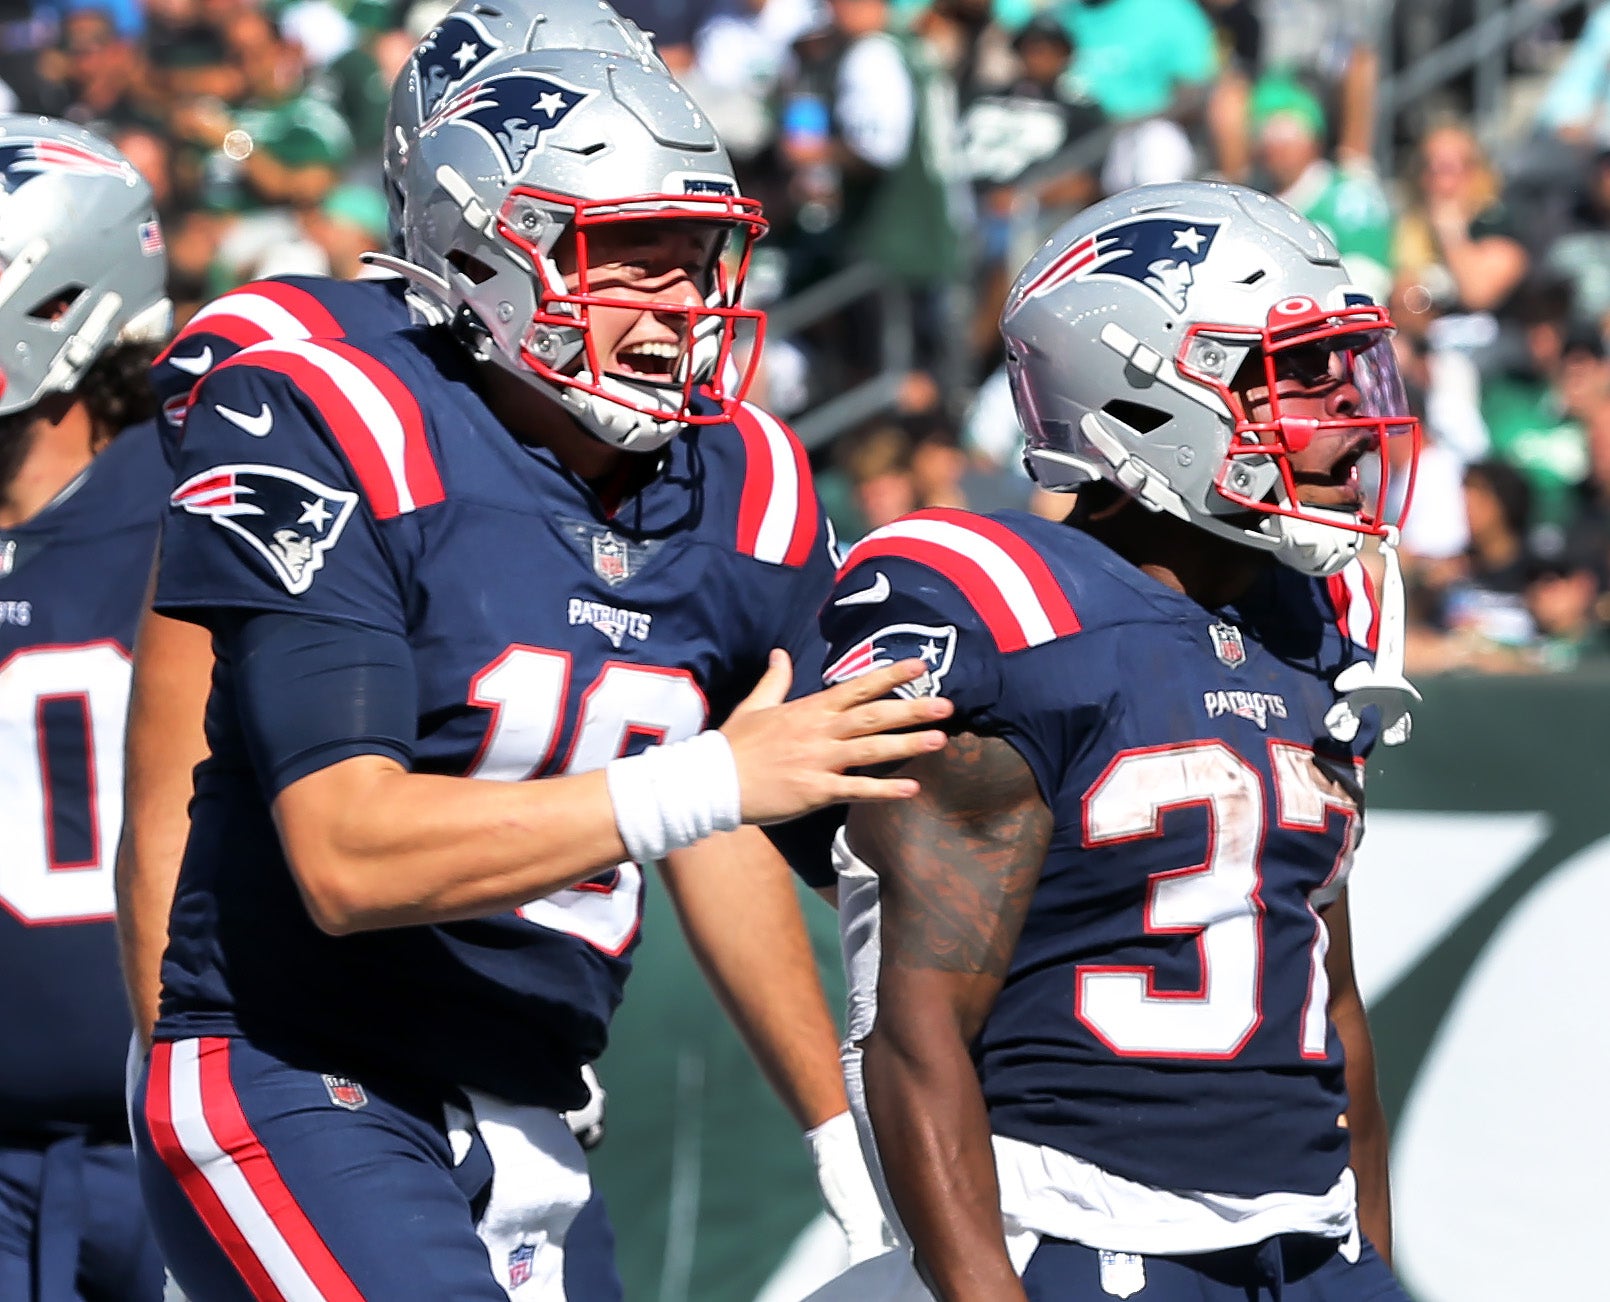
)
(541, 543)
(1103, 1008)
(82, 311)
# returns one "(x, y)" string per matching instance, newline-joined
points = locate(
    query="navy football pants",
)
(1293, 1268)
(72, 1226)
(318, 1202)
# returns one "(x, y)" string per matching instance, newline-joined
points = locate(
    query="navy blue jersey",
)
(281, 307)
(1164, 1015)
(548, 636)
(72, 581)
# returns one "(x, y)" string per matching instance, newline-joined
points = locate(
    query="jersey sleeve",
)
(269, 512)
(973, 608)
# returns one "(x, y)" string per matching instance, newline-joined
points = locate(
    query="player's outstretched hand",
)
(792, 755)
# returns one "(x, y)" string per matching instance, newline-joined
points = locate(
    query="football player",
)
(734, 894)
(82, 312)
(1103, 982)
(541, 542)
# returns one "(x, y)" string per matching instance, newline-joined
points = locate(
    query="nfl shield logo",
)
(520, 1264)
(345, 1092)
(610, 559)
(1227, 644)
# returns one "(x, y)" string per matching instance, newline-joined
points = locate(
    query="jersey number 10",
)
(61, 757)
(526, 689)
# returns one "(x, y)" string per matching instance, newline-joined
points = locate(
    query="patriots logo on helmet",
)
(448, 57)
(289, 519)
(514, 112)
(22, 160)
(935, 647)
(1159, 252)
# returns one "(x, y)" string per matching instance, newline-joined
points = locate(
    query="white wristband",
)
(671, 796)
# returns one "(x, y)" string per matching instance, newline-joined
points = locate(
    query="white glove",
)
(587, 1122)
(847, 1188)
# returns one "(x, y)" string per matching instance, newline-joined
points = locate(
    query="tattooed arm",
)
(957, 867)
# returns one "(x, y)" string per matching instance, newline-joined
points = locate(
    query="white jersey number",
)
(525, 689)
(36, 883)
(1216, 901)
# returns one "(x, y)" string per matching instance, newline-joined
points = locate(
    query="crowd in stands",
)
(923, 148)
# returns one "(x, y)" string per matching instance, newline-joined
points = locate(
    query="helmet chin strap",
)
(1381, 684)
(1311, 545)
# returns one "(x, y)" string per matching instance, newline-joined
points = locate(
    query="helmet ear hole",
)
(1139, 417)
(469, 266)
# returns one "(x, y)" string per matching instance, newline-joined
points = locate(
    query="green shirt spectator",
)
(1531, 431)
(1347, 203)
(1136, 55)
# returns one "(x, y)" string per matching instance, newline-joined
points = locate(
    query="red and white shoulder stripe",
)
(1358, 610)
(376, 420)
(262, 310)
(1003, 578)
(778, 515)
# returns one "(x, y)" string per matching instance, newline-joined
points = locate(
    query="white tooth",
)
(657, 350)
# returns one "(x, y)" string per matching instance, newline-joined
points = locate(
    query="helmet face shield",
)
(1317, 403)
(692, 255)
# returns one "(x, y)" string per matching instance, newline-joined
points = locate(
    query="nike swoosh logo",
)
(879, 591)
(200, 364)
(257, 426)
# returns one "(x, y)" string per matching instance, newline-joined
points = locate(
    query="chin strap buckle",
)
(1382, 683)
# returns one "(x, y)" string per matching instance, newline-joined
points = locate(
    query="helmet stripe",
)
(1003, 579)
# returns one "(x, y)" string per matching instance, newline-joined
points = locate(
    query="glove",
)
(846, 1187)
(587, 1122)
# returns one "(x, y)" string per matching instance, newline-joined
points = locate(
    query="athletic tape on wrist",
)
(671, 796)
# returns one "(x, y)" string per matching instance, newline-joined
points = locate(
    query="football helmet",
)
(82, 262)
(474, 31)
(576, 143)
(1134, 332)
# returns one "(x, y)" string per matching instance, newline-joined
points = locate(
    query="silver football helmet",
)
(452, 54)
(569, 143)
(82, 262)
(1127, 335)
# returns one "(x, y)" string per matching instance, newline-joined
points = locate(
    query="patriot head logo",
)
(1158, 251)
(935, 647)
(288, 519)
(22, 160)
(514, 112)
(448, 57)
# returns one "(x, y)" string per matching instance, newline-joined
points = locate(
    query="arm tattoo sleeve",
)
(958, 864)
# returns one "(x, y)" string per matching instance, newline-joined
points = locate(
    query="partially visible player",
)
(1103, 980)
(82, 311)
(542, 543)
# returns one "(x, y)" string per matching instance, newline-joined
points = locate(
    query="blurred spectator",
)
(1581, 255)
(1533, 411)
(1006, 137)
(1238, 29)
(866, 141)
(1564, 597)
(1480, 619)
(1149, 65)
(1574, 106)
(739, 55)
(1346, 202)
(1456, 256)
(1331, 45)
(96, 76)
